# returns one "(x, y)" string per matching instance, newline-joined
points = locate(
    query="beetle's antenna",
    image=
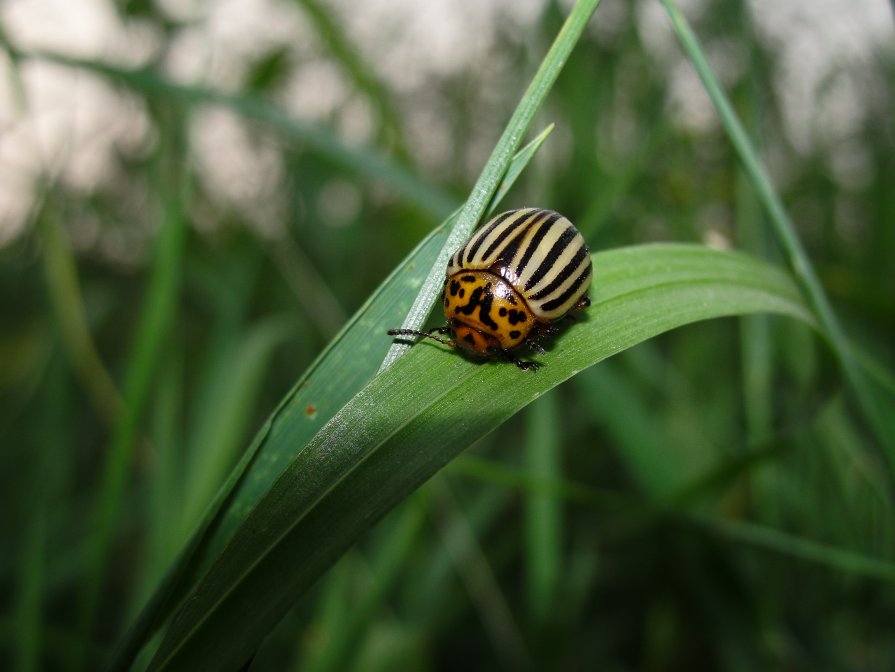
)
(414, 332)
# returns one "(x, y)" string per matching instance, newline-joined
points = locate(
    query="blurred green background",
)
(195, 198)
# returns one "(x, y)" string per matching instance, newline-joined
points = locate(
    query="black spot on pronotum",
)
(503, 312)
(484, 303)
(515, 334)
(455, 287)
(516, 316)
(469, 339)
(468, 278)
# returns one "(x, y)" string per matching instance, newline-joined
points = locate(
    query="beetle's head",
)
(474, 341)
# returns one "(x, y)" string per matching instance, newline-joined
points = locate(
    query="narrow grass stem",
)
(155, 321)
(494, 170)
(788, 239)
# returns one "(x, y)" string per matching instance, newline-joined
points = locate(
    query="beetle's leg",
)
(534, 345)
(521, 363)
(525, 366)
(543, 330)
(583, 303)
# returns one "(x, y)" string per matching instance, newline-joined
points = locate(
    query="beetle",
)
(510, 283)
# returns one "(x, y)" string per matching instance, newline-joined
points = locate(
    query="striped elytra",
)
(510, 282)
(539, 252)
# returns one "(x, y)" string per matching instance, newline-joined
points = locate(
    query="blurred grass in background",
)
(695, 501)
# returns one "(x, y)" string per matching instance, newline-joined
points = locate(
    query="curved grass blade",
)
(370, 163)
(334, 377)
(421, 412)
(347, 363)
(496, 167)
(824, 555)
(756, 535)
(358, 69)
(882, 422)
(157, 314)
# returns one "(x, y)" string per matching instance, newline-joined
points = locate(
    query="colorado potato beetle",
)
(510, 283)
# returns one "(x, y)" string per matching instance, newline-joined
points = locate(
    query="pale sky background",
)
(74, 120)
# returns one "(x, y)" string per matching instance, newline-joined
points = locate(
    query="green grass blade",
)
(517, 165)
(323, 141)
(165, 497)
(753, 237)
(882, 422)
(37, 543)
(761, 536)
(156, 318)
(416, 416)
(543, 512)
(495, 473)
(334, 377)
(387, 566)
(632, 431)
(478, 578)
(496, 167)
(222, 421)
(346, 365)
(311, 291)
(67, 301)
(344, 51)
(751, 534)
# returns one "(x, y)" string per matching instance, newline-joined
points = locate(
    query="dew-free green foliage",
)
(716, 496)
(396, 434)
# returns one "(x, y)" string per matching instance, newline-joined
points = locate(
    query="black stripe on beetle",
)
(511, 232)
(563, 275)
(536, 241)
(549, 261)
(552, 257)
(570, 292)
(480, 236)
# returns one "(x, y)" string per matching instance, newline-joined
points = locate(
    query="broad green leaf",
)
(346, 365)
(336, 375)
(420, 413)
